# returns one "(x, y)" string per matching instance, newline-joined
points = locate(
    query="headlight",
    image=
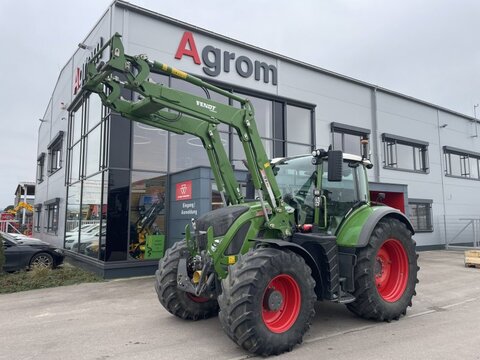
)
(58, 251)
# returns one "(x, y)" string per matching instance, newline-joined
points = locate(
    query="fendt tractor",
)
(310, 234)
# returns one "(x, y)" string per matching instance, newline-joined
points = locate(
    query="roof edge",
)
(156, 15)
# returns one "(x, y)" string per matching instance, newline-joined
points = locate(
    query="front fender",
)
(357, 229)
(299, 250)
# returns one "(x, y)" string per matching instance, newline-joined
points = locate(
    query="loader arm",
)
(198, 116)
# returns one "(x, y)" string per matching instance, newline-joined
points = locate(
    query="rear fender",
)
(375, 217)
(357, 229)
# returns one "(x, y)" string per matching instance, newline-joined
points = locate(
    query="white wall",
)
(336, 100)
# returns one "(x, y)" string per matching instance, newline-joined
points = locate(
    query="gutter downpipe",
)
(374, 148)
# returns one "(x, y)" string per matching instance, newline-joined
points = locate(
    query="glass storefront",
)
(147, 215)
(149, 147)
(93, 217)
(86, 212)
(119, 173)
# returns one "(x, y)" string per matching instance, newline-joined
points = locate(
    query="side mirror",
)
(335, 165)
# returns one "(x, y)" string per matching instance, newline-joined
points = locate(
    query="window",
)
(93, 146)
(95, 111)
(51, 212)
(461, 163)
(296, 179)
(40, 167)
(38, 218)
(149, 147)
(347, 138)
(264, 119)
(421, 214)
(92, 217)
(405, 154)
(299, 130)
(263, 115)
(147, 215)
(55, 153)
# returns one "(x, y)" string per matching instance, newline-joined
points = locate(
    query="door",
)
(340, 197)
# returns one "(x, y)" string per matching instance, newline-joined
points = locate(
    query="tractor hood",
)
(220, 220)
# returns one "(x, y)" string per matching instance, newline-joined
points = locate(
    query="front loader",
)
(311, 234)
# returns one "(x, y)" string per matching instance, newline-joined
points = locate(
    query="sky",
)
(427, 49)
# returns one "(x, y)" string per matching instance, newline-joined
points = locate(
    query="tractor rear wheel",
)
(180, 303)
(386, 273)
(267, 301)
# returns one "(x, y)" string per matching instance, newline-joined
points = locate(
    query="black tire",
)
(242, 301)
(42, 260)
(370, 303)
(177, 302)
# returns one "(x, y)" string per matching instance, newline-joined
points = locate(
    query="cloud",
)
(426, 49)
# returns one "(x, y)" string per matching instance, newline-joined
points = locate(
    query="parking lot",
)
(123, 319)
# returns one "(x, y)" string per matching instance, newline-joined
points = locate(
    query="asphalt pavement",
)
(123, 319)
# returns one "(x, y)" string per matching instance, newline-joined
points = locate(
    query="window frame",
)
(55, 162)
(37, 220)
(429, 216)
(344, 129)
(390, 152)
(40, 167)
(287, 141)
(466, 165)
(52, 211)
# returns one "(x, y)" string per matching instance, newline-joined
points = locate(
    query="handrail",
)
(475, 224)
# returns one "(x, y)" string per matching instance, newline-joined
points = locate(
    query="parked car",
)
(24, 253)
(83, 228)
(88, 233)
(88, 239)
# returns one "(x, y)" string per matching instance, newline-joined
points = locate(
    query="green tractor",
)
(311, 233)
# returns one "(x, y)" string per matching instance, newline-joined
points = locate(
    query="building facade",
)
(116, 193)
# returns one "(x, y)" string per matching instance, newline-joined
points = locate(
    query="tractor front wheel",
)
(386, 273)
(267, 301)
(180, 303)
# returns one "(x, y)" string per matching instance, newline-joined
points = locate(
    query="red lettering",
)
(187, 39)
(77, 82)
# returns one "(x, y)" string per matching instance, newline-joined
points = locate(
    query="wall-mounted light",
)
(84, 46)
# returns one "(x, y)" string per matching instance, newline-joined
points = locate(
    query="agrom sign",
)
(78, 76)
(214, 61)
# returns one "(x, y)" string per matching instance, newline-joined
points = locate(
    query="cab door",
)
(339, 198)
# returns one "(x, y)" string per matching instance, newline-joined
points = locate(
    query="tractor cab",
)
(317, 201)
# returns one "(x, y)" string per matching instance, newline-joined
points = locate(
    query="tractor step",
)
(346, 298)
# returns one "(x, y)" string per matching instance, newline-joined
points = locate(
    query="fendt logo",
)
(212, 59)
(207, 106)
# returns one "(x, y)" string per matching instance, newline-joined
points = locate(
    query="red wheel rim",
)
(197, 299)
(391, 270)
(282, 318)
